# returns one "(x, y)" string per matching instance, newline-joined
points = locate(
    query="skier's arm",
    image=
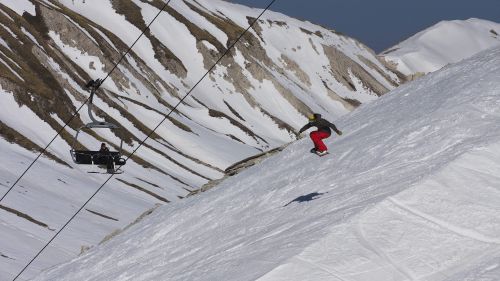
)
(307, 126)
(335, 129)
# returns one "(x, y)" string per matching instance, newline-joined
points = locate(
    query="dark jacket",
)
(104, 149)
(322, 125)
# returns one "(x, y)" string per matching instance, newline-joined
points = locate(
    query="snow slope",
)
(444, 43)
(280, 71)
(409, 192)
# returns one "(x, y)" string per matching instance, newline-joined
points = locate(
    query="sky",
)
(384, 23)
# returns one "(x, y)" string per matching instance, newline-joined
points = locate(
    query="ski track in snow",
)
(370, 246)
(469, 233)
(325, 269)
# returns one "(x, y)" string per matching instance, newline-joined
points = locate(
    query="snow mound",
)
(444, 43)
(409, 192)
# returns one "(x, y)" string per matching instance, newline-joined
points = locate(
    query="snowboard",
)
(313, 150)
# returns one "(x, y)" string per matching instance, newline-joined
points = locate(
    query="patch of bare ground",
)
(294, 67)
(148, 182)
(25, 216)
(390, 51)
(40, 90)
(277, 22)
(256, 26)
(349, 104)
(12, 136)
(191, 157)
(255, 56)
(137, 220)
(166, 156)
(375, 67)
(237, 167)
(178, 124)
(234, 111)
(340, 65)
(161, 198)
(281, 124)
(392, 66)
(101, 215)
(165, 56)
(218, 114)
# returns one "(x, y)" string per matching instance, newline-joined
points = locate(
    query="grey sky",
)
(382, 24)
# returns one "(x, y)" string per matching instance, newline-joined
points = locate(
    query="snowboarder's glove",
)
(339, 133)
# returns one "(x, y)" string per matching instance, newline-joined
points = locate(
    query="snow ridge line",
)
(465, 232)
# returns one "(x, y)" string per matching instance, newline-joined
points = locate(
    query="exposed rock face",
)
(252, 101)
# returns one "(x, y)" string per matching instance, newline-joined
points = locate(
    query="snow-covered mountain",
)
(444, 43)
(409, 192)
(254, 99)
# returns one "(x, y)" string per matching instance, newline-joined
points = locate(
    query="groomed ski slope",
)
(411, 191)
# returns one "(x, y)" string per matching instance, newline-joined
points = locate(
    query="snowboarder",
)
(323, 132)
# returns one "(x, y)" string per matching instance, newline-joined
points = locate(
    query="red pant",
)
(317, 138)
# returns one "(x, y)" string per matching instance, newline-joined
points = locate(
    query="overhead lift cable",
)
(78, 110)
(159, 124)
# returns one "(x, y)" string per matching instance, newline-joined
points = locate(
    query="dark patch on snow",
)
(5, 256)
(305, 31)
(234, 111)
(218, 114)
(101, 215)
(150, 183)
(353, 102)
(238, 167)
(390, 51)
(174, 121)
(165, 56)
(250, 161)
(319, 34)
(144, 190)
(305, 198)
(278, 23)
(351, 85)
(13, 136)
(25, 216)
(235, 138)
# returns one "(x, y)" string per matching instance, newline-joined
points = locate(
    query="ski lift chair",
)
(96, 157)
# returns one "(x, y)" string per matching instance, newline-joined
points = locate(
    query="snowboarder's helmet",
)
(314, 116)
